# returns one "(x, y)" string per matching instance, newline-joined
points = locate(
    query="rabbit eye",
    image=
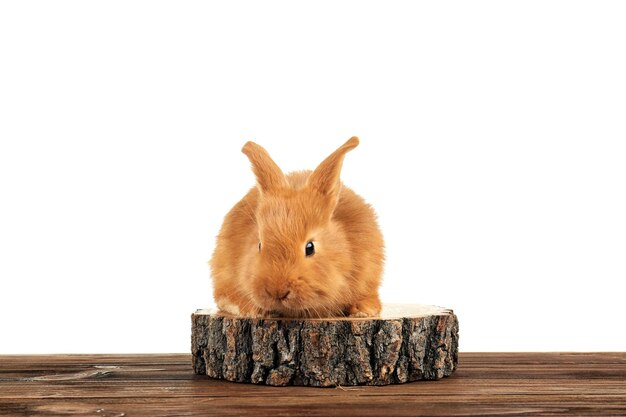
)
(259, 246)
(309, 249)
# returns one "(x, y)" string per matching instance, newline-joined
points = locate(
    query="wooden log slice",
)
(406, 343)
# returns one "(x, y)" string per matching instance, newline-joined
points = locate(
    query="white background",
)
(493, 146)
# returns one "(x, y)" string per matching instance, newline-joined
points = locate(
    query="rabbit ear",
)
(269, 176)
(325, 178)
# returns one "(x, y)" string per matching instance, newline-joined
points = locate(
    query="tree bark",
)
(406, 343)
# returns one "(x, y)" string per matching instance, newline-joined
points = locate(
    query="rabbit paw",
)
(358, 314)
(368, 307)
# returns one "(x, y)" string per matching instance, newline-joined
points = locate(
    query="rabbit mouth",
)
(290, 306)
(287, 303)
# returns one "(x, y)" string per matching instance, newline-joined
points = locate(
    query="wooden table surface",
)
(509, 384)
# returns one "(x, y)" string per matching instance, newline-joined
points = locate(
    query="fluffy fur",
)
(259, 266)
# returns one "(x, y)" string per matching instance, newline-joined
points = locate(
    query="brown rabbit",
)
(298, 245)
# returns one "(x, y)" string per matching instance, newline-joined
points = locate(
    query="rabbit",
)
(300, 245)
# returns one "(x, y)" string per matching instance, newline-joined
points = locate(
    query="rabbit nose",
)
(279, 294)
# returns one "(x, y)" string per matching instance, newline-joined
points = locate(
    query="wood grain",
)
(512, 384)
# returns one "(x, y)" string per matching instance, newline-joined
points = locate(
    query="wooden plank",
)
(149, 385)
